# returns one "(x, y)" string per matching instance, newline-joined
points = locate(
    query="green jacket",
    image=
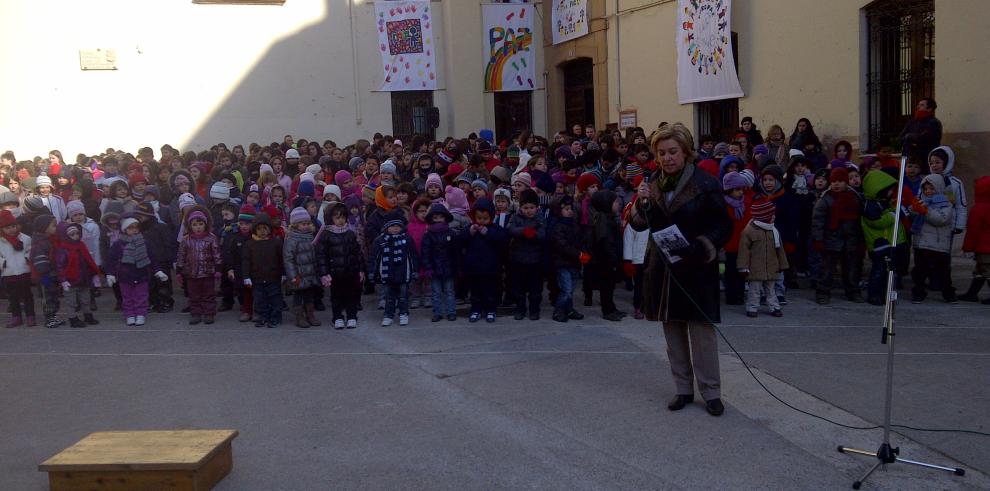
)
(878, 213)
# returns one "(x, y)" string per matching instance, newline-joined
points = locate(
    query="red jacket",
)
(739, 225)
(978, 225)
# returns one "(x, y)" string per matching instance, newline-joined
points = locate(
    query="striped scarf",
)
(135, 251)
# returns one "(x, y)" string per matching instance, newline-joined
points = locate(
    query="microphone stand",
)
(887, 454)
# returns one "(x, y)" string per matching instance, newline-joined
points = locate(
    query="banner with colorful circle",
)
(706, 69)
(405, 41)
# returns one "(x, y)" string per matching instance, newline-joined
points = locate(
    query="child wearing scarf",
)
(837, 235)
(76, 272)
(761, 258)
(934, 219)
(439, 259)
(15, 270)
(340, 262)
(738, 197)
(130, 262)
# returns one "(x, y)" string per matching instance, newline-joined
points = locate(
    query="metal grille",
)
(901, 64)
(410, 113)
(720, 118)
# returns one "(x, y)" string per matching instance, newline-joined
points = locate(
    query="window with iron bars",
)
(901, 61)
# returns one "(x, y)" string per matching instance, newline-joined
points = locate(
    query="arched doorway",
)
(579, 92)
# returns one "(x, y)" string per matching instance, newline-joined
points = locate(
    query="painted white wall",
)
(193, 75)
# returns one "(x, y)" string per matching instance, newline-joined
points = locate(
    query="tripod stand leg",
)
(859, 483)
(955, 470)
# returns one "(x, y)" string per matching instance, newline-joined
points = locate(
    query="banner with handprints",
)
(569, 19)
(706, 70)
(405, 40)
(511, 64)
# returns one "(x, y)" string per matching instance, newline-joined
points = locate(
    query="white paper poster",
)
(510, 61)
(569, 19)
(405, 40)
(706, 70)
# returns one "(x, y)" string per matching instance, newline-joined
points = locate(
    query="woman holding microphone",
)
(684, 295)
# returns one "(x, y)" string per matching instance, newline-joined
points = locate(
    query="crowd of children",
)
(436, 224)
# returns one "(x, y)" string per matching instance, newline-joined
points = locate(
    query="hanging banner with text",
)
(569, 19)
(706, 70)
(405, 40)
(510, 61)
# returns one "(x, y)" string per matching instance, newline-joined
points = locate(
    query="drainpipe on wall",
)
(618, 59)
(354, 65)
(546, 102)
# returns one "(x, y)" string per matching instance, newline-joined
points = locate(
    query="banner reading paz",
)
(405, 40)
(706, 70)
(508, 39)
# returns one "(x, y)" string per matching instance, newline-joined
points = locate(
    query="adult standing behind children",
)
(685, 295)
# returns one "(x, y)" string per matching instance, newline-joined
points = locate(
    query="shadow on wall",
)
(302, 85)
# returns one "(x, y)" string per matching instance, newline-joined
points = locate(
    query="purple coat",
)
(128, 273)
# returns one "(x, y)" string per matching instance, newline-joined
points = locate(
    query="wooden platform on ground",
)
(180, 460)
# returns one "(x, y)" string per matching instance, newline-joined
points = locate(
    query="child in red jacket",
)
(738, 197)
(977, 241)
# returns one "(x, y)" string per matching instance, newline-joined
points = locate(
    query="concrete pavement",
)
(509, 405)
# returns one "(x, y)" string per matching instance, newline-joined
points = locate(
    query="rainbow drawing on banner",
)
(705, 28)
(510, 35)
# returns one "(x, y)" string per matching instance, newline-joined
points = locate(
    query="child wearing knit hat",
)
(738, 197)
(837, 235)
(76, 213)
(231, 248)
(198, 262)
(393, 262)
(527, 231)
(761, 258)
(301, 268)
(16, 271)
(131, 263)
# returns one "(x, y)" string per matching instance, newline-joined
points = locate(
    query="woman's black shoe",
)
(679, 401)
(714, 407)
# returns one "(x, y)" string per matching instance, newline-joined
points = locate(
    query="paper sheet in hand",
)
(670, 239)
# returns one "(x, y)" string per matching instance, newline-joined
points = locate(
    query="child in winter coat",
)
(393, 263)
(878, 221)
(634, 245)
(439, 261)
(941, 161)
(761, 258)
(43, 244)
(568, 256)
(130, 262)
(737, 206)
(299, 255)
(76, 271)
(109, 233)
(605, 247)
(76, 212)
(231, 254)
(198, 262)
(483, 239)
(340, 266)
(837, 235)
(527, 230)
(420, 290)
(263, 272)
(161, 245)
(977, 242)
(15, 270)
(932, 230)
